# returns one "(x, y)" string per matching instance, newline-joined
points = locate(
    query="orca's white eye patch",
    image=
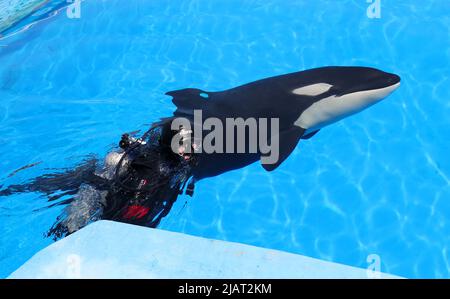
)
(312, 90)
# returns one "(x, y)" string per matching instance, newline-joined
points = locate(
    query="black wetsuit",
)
(141, 191)
(145, 193)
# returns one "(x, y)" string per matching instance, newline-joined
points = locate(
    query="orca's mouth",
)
(392, 79)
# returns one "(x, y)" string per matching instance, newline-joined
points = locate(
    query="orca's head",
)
(342, 91)
(340, 81)
(347, 80)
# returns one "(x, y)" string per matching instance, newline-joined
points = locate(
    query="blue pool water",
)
(375, 183)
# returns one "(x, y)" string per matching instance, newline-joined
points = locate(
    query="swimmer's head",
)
(180, 142)
(185, 145)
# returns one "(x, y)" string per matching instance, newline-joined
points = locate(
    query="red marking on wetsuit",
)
(136, 212)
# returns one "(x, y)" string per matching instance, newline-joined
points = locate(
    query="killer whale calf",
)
(304, 102)
(140, 182)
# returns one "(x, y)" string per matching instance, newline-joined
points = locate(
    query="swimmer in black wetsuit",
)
(148, 178)
(137, 184)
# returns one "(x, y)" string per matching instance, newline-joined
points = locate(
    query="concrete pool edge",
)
(14, 12)
(108, 249)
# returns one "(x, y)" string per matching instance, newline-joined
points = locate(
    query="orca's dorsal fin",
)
(288, 140)
(309, 135)
(189, 99)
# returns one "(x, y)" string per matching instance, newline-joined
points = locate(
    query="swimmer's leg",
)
(85, 207)
(68, 182)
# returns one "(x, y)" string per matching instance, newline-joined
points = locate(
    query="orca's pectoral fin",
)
(307, 136)
(189, 99)
(288, 140)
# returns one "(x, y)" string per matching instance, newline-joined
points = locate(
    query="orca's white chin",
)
(334, 108)
(382, 93)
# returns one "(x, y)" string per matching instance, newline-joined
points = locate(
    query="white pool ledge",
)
(108, 249)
